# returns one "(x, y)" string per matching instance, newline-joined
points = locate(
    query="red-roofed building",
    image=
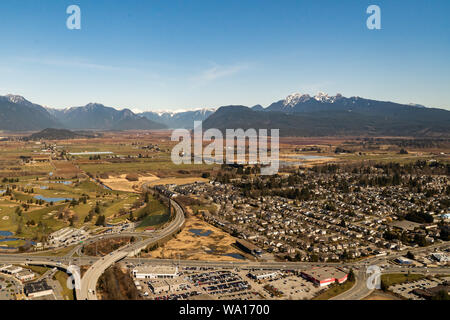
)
(325, 276)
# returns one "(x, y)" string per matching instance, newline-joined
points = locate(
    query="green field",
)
(335, 290)
(37, 269)
(141, 167)
(398, 278)
(27, 218)
(62, 277)
(157, 214)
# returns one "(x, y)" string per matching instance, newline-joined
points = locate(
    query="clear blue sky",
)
(170, 54)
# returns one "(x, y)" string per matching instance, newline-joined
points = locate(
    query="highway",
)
(358, 291)
(90, 278)
(87, 289)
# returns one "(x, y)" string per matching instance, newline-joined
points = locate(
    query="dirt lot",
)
(65, 169)
(121, 183)
(198, 247)
(178, 181)
(378, 295)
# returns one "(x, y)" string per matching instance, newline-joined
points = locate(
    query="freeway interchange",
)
(85, 289)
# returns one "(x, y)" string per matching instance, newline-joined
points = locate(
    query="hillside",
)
(420, 122)
(99, 117)
(60, 134)
(175, 120)
(18, 114)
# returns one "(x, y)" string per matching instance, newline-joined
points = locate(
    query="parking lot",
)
(294, 287)
(230, 284)
(192, 282)
(8, 288)
(405, 289)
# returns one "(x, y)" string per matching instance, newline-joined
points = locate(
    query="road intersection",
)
(86, 288)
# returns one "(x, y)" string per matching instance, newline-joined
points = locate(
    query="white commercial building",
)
(25, 275)
(155, 272)
(67, 236)
(10, 269)
(37, 289)
(263, 275)
(441, 257)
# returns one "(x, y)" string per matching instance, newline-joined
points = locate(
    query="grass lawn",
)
(141, 166)
(13, 243)
(157, 214)
(62, 277)
(58, 252)
(211, 208)
(335, 290)
(154, 220)
(45, 216)
(116, 205)
(37, 269)
(398, 278)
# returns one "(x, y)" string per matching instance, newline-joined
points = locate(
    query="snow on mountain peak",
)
(322, 97)
(172, 113)
(17, 99)
(295, 98)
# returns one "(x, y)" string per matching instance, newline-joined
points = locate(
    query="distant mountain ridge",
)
(297, 115)
(99, 117)
(19, 114)
(297, 103)
(183, 119)
(322, 115)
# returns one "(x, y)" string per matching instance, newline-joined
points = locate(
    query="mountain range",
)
(322, 115)
(297, 115)
(18, 114)
(175, 120)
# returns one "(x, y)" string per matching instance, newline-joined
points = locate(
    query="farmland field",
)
(49, 185)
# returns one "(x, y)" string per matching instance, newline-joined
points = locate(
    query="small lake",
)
(9, 239)
(44, 188)
(200, 232)
(235, 255)
(39, 197)
(5, 233)
(62, 182)
(29, 242)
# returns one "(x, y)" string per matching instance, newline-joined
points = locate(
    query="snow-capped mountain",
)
(19, 114)
(325, 115)
(179, 119)
(18, 100)
(295, 98)
(97, 116)
(297, 102)
(298, 114)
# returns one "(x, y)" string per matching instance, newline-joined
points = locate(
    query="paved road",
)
(90, 278)
(99, 265)
(360, 290)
